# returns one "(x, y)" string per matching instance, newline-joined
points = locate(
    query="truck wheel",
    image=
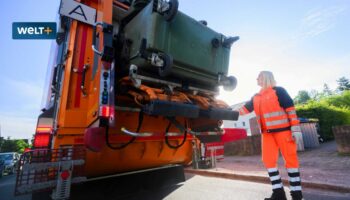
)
(165, 70)
(170, 14)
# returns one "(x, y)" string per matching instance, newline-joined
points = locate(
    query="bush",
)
(342, 100)
(328, 114)
(16, 145)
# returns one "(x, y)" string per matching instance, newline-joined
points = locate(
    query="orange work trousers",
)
(271, 143)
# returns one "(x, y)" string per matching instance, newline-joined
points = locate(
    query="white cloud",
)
(280, 54)
(319, 20)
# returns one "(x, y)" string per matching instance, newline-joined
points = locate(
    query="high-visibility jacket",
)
(274, 110)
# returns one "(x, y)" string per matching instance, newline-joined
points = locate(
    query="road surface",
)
(7, 187)
(195, 188)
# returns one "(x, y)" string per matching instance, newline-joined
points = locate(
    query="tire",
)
(170, 14)
(320, 139)
(12, 171)
(165, 70)
(231, 83)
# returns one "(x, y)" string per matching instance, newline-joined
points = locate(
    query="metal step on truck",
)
(131, 93)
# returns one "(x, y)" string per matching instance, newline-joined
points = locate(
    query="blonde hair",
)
(267, 79)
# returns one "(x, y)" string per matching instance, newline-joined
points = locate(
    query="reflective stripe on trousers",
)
(294, 179)
(275, 178)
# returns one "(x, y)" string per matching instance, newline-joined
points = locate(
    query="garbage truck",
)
(132, 88)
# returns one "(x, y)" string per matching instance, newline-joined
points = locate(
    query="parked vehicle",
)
(10, 161)
(2, 167)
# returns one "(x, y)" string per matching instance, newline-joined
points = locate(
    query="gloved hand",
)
(296, 133)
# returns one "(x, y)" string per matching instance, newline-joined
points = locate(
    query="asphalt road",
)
(7, 187)
(195, 188)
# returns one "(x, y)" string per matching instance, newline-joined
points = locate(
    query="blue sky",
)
(305, 43)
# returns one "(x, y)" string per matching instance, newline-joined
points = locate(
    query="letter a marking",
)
(81, 13)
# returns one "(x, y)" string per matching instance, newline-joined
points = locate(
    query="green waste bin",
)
(198, 55)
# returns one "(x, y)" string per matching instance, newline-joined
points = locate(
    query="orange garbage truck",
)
(132, 87)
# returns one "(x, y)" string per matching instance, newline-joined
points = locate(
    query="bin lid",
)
(307, 120)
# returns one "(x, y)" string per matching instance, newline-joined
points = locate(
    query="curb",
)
(266, 180)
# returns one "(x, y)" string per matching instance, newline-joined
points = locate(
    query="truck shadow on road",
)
(125, 188)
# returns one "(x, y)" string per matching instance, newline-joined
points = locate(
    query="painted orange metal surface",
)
(77, 111)
(138, 155)
(141, 154)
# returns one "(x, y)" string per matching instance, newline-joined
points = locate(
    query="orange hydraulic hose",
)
(117, 3)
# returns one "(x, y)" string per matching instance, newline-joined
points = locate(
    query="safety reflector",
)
(94, 138)
(65, 175)
(41, 140)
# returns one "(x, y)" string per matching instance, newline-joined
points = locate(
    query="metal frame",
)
(41, 169)
(137, 80)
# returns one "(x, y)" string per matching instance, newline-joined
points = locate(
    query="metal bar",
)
(44, 185)
(173, 134)
(133, 172)
(204, 133)
(145, 78)
(124, 130)
(119, 108)
(42, 166)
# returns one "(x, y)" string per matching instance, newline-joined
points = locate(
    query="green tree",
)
(302, 97)
(341, 100)
(331, 111)
(21, 145)
(328, 116)
(315, 95)
(326, 90)
(10, 145)
(343, 84)
(1, 141)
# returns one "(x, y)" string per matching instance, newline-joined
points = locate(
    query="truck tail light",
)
(42, 137)
(43, 130)
(42, 140)
(106, 111)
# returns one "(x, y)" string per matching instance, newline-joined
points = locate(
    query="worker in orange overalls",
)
(278, 121)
